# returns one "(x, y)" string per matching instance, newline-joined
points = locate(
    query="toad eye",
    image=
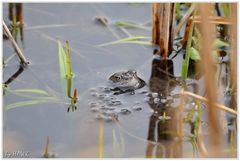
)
(117, 77)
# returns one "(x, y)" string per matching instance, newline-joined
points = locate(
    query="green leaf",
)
(194, 54)
(224, 7)
(185, 63)
(68, 62)
(69, 71)
(178, 15)
(128, 24)
(219, 43)
(62, 60)
(25, 103)
(36, 91)
(190, 115)
(23, 94)
(132, 39)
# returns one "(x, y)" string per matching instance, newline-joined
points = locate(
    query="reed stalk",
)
(163, 18)
(233, 50)
(19, 53)
(207, 66)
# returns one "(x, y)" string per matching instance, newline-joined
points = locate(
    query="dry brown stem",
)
(207, 66)
(163, 18)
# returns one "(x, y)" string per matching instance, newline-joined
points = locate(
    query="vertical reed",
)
(233, 51)
(207, 66)
(163, 18)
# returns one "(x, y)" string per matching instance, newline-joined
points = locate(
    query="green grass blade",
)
(224, 7)
(22, 94)
(46, 153)
(100, 144)
(62, 60)
(69, 71)
(128, 24)
(190, 115)
(69, 88)
(25, 103)
(68, 61)
(34, 91)
(132, 39)
(185, 63)
(178, 15)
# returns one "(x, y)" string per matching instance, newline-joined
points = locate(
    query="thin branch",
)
(15, 46)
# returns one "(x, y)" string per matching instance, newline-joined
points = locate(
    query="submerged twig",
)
(15, 46)
(14, 76)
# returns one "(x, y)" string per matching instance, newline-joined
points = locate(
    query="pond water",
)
(81, 133)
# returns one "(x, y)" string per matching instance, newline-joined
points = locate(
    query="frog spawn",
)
(108, 106)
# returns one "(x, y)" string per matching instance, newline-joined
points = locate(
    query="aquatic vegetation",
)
(194, 54)
(172, 117)
(129, 40)
(69, 71)
(101, 142)
(66, 75)
(129, 24)
(29, 93)
(225, 8)
(46, 152)
(178, 15)
(185, 63)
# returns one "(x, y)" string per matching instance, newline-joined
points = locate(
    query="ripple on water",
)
(137, 108)
(125, 111)
(95, 109)
(114, 103)
(102, 96)
(93, 104)
(94, 94)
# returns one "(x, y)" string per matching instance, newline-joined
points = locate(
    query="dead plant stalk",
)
(15, 46)
(207, 66)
